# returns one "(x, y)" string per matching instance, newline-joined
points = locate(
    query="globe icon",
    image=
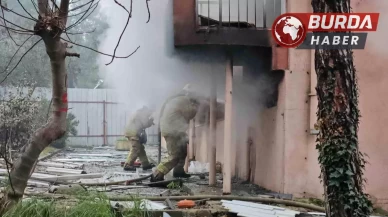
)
(288, 31)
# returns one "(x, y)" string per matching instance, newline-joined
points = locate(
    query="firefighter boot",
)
(148, 167)
(157, 177)
(179, 172)
(128, 167)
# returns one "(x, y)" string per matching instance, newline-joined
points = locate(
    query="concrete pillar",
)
(227, 169)
(212, 134)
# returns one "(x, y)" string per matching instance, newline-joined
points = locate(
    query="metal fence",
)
(238, 13)
(102, 118)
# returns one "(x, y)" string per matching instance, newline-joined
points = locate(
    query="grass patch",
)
(314, 201)
(173, 185)
(33, 207)
(87, 205)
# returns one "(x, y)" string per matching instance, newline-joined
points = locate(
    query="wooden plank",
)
(81, 160)
(95, 155)
(60, 165)
(61, 171)
(72, 177)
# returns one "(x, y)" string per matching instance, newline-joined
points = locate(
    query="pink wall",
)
(372, 76)
(269, 143)
(284, 149)
(370, 64)
(201, 141)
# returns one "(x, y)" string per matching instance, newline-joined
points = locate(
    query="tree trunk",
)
(341, 162)
(55, 128)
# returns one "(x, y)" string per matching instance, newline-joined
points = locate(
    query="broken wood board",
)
(131, 174)
(34, 175)
(113, 188)
(127, 187)
(31, 183)
(81, 160)
(63, 171)
(72, 177)
(61, 165)
(95, 155)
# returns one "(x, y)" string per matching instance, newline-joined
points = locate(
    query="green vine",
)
(342, 163)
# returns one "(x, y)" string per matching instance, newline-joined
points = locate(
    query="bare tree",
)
(342, 163)
(52, 28)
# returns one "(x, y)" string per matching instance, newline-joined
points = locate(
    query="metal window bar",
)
(229, 14)
(201, 10)
(264, 15)
(197, 13)
(247, 12)
(208, 13)
(274, 8)
(255, 14)
(238, 13)
(220, 13)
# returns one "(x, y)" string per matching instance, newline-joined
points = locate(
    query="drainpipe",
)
(213, 125)
(227, 170)
(313, 95)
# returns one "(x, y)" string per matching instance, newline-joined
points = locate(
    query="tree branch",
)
(13, 56)
(5, 23)
(92, 7)
(69, 54)
(17, 64)
(43, 7)
(73, 2)
(36, 7)
(64, 10)
(85, 11)
(148, 9)
(125, 27)
(80, 33)
(81, 6)
(12, 11)
(102, 53)
(17, 30)
(25, 10)
(55, 4)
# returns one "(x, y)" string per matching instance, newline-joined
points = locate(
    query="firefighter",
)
(137, 137)
(174, 123)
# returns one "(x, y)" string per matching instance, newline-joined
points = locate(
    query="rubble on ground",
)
(83, 166)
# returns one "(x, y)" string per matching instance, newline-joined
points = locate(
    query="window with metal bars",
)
(244, 14)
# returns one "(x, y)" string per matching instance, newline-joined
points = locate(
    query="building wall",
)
(269, 146)
(370, 64)
(286, 157)
(372, 78)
